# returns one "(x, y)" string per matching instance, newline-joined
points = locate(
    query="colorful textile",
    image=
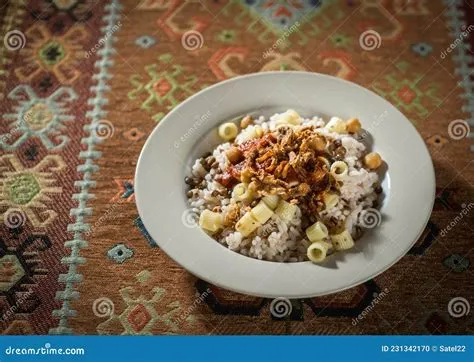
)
(82, 84)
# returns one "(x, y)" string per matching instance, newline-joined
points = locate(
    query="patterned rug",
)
(82, 84)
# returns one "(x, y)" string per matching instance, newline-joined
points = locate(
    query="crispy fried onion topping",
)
(287, 162)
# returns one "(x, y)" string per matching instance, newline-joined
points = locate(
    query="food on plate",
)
(286, 189)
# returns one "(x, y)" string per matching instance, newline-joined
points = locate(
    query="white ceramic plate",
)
(188, 131)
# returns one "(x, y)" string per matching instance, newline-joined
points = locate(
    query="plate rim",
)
(191, 270)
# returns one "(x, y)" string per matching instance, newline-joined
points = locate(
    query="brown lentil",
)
(340, 153)
(190, 181)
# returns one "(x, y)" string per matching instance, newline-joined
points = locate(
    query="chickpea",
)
(372, 160)
(245, 122)
(234, 155)
(318, 143)
(353, 125)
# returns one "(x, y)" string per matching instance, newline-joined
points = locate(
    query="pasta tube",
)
(317, 231)
(342, 241)
(246, 224)
(339, 169)
(250, 133)
(261, 212)
(285, 210)
(228, 131)
(271, 201)
(211, 221)
(289, 117)
(336, 125)
(241, 192)
(330, 200)
(317, 251)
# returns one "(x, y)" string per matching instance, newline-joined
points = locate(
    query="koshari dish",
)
(286, 189)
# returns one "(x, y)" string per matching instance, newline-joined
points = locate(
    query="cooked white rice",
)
(278, 240)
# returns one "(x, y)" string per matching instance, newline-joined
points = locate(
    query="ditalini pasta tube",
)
(336, 125)
(289, 117)
(211, 221)
(317, 251)
(285, 210)
(271, 201)
(339, 169)
(228, 131)
(330, 200)
(241, 192)
(246, 224)
(261, 212)
(317, 231)
(249, 133)
(342, 241)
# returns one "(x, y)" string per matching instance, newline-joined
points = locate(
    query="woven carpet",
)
(82, 84)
